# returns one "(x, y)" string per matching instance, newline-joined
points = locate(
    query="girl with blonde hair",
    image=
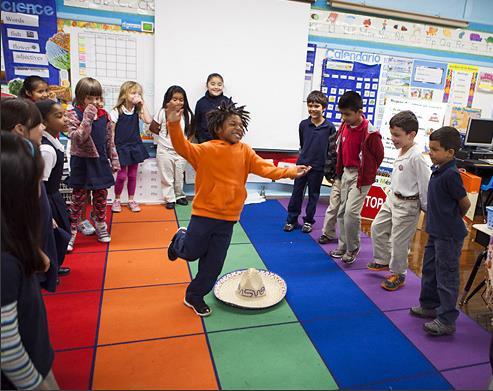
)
(125, 117)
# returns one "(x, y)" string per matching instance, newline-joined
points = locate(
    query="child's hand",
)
(90, 112)
(137, 100)
(302, 170)
(173, 112)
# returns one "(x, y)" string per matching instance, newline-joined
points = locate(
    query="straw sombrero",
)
(250, 288)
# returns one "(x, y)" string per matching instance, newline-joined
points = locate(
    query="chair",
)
(489, 198)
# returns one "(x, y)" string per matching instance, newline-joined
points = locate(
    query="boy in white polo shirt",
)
(395, 223)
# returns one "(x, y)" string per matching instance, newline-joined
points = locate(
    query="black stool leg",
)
(472, 276)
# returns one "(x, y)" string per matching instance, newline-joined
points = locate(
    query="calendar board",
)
(341, 76)
(112, 58)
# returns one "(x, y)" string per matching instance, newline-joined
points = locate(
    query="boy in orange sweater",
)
(222, 166)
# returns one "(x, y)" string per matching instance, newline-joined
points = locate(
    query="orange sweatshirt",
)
(221, 173)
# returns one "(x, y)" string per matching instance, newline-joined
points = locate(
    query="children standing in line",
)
(22, 117)
(34, 88)
(359, 155)
(129, 110)
(329, 227)
(53, 154)
(395, 224)
(171, 165)
(314, 135)
(27, 354)
(210, 101)
(447, 205)
(222, 166)
(92, 149)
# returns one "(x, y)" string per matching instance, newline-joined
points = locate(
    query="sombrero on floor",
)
(250, 288)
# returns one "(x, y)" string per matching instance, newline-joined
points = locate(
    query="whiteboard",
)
(258, 46)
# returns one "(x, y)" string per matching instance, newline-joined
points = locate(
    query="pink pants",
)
(123, 174)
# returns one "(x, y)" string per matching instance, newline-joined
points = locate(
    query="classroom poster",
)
(460, 84)
(347, 26)
(29, 44)
(485, 83)
(341, 76)
(430, 117)
(459, 117)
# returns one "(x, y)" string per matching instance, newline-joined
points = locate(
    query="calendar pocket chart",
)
(341, 76)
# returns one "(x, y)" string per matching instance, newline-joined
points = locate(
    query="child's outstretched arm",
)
(80, 131)
(259, 166)
(181, 145)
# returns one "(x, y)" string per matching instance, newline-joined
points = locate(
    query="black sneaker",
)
(324, 239)
(201, 309)
(307, 228)
(171, 252)
(288, 227)
(377, 267)
(182, 201)
(170, 205)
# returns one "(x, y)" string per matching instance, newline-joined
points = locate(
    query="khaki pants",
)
(348, 218)
(329, 227)
(171, 167)
(392, 231)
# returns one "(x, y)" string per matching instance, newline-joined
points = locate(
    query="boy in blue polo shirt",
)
(314, 144)
(447, 205)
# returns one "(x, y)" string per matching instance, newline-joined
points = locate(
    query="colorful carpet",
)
(118, 320)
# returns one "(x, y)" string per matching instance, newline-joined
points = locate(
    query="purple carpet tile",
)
(319, 212)
(369, 282)
(476, 377)
(468, 346)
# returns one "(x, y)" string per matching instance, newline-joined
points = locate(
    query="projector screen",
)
(258, 46)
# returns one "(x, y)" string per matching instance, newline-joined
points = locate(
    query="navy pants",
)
(208, 241)
(440, 280)
(314, 181)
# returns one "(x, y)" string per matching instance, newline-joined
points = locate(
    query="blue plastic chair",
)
(489, 198)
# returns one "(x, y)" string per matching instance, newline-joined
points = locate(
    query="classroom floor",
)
(118, 320)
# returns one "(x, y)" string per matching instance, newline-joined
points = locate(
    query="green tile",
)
(183, 212)
(279, 357)
(241, 256)
(239, 235)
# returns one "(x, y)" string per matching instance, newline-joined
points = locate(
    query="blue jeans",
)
(440, 280)
(208, 240)
(314, 181)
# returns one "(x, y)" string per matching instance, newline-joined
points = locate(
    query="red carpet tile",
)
(72, 369)
(72, 319)
(90, 243)
(86, 273)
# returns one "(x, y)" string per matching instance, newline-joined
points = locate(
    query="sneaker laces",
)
(102, 230)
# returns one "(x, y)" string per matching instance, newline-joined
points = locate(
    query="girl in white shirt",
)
(171, 165)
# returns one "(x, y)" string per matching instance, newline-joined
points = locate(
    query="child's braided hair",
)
(217, 117)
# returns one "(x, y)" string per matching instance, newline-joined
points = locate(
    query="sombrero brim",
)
(225, 290)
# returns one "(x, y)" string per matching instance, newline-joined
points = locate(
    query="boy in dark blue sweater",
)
(447, 205)
(314, 145)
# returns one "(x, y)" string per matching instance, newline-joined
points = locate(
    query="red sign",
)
(373, 202)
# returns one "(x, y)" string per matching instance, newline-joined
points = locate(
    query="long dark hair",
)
(187, 112)
(29, 85)
(19, 111)
(21, 214)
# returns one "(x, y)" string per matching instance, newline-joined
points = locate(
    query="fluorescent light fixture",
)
(397, 14)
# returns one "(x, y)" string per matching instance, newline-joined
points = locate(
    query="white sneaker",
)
(85, 227)
(71, 242)
(102, 232)
(133, 206)
(117, 206)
